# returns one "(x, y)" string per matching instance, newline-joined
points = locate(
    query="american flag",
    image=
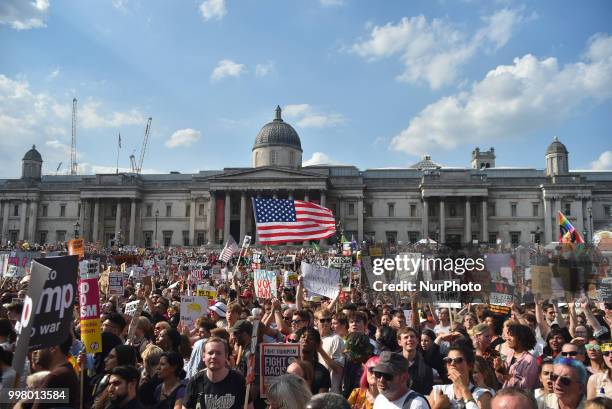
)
(280, 221)
(228, 251)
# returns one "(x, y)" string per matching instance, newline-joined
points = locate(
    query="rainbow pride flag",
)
(567, 232)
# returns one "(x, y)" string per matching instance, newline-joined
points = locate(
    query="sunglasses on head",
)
(386, 376)
(454, 361)
(564, 380)
(593, 346)
(569, 354)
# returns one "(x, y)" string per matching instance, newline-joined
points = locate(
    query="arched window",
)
(273, 157)
(291, 158)
(256, 158)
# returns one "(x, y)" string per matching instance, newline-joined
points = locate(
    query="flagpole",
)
(118, 147)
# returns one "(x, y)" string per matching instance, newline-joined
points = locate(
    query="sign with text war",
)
(48, 306)
(274, 361)
(89, 301)
(319, 280)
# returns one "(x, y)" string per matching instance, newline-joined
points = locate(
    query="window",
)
(16, 210)
(351, 209)
(273, 157)
(413, 236)
(515, 237)
(536, 236)
(535, 207)
(42, 237)
(607, 212)
(168, 210)
(291, 158)
(452, 210)
(368, 209)
(491, 209)
(413, 210)
(148, 238)
(513, 209)
(44, 211)
(186, 238)
(391, 237)
(79, 211)
(235, 208)
(201, 238)
(474, 237)
(568, 209)
(256, 158)
(60, 235)
(332, 207)
(167, 238)
(432, 210)
(13, 234)
(187, 210)
(391, 209)
(492, 238)
(62, 210)
(113, 210)
(149, 211)
(200, 210)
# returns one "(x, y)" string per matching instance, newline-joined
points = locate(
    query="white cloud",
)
(183, 137)
(319, 158)
(604, 162)
(213, 9)
(22, 14)
(89, 116)
(309, 118)
(512, 100)
(261, 70)
(331, 3)
(120, 5)
(227, 68)
(54, 74)
(434, 51)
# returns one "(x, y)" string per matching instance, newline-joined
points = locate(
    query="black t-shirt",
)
(226, 394)
(321, 378)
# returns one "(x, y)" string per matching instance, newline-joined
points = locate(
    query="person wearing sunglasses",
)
(391, 374)
(330, 355)
(569, 385)
(596, 361)
(600, 384)
(364, 396)
(576, 351)
(461, 393)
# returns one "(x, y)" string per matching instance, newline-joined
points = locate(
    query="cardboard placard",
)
(274, 361)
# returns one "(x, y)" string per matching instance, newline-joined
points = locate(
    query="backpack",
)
(412, 396)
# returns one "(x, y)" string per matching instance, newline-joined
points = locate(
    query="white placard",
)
(319, 280)
(193, 308)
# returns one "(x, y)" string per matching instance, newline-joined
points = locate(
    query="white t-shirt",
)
(333, 345)
(441, 329)
(449, 391)
(418, 402)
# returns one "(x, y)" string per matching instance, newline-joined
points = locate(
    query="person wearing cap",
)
(218, 312)
(392, 377)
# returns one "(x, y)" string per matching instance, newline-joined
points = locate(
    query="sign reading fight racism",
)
(274, 361)
(48, 306)
(89, 300)
(193, 308)
(319, 280)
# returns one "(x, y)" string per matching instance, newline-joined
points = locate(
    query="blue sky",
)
(369, 83)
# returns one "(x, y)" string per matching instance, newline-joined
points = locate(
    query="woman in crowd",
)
(462, 391)
(596, 360)
(149, 378)
(357, 350)
(555, 340)
(520, 368)
(600, 384)
(431, 354)
(169, 339)
(386, 339)
(484, 375)
(546, 371)
(286, 386)
(364, 396)
(169, 393)
(118, 356)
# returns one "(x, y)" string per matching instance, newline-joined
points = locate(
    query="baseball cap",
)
(242, 326)
(391, 363)
(220, 308)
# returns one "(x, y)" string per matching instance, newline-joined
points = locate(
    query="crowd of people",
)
(359, 350)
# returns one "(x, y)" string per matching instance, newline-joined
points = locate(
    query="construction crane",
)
(144, 146)
(73, 162)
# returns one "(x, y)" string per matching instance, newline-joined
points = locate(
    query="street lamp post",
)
(76, 229)
(590, 211)
(156, 216)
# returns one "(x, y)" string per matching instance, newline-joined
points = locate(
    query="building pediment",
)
(266, 173)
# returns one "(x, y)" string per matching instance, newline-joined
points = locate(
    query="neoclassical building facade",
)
(480, 202)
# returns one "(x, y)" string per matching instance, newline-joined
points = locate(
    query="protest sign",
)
(265, 284)
(193, 308)
(115, 284)
(89, 300)
(501, 293)
(274, 361)
(319, 280)
(541, 278)
(47, 309)
(290, 279)
(206, 291)
(499, 309)
(76, 248)
(605, 290)
(131, 308)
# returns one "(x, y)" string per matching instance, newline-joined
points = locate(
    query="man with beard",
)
(392, 377)
(122, 388)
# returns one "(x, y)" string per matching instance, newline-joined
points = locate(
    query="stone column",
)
(468, 221)
(227, 216)
(96, 221)
(133, 222)
(442, 238)
(212, 210)
(33, 220)
(242, 217)
(192, 217)
(22, 219)
(118, 221)
(547, 217)
(579, 217)
(82, 220)
(556, 210)
(425, 219)
(483, 225)
(360, 220)
(323, 242)
(6, 208)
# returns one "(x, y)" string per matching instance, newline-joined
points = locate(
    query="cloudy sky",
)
(369, 83)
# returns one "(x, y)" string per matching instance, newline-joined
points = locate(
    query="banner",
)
(319, 280)
(193, 308)
(274, 361)
(76, 248)
(501, 293)
(265, 284)
(89, 300)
